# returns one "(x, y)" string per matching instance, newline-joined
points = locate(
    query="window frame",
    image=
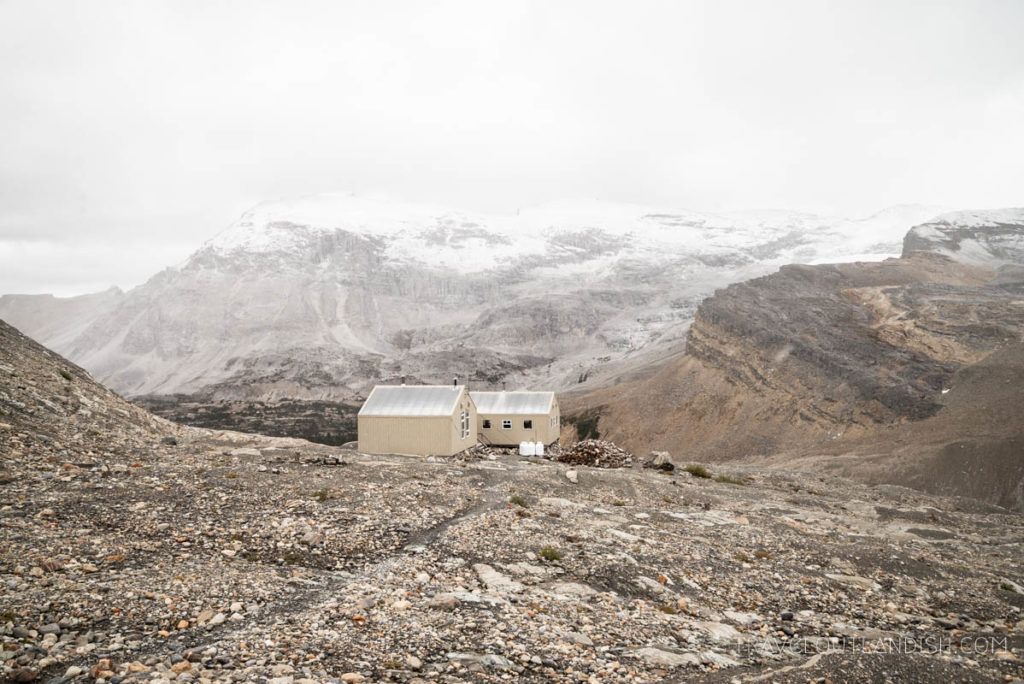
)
(486, 425)
(528, 423)
(506, 423)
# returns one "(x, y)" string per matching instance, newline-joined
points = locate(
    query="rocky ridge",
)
(816, 362)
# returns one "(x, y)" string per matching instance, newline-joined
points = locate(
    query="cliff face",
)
(840, 359)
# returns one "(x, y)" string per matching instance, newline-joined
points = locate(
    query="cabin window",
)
(487, 424)
(465, 424)
(506, 425)
(527, 424)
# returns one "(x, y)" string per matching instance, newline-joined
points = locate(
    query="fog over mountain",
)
(133, 131)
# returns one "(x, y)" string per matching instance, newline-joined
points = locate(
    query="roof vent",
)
(455, 382)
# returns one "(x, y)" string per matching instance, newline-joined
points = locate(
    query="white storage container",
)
(538, 449)
(526, 449)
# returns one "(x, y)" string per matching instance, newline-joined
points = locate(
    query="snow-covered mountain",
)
(321, 296)
(973, 237)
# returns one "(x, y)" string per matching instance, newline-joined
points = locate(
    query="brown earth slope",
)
(903, 371)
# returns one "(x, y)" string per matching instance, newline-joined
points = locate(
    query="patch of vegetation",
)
(698, 471)
(291, 557)
(66, 375)
(727, 479)
(322, 495)
(518, 500)
(586, 425)
(669, 608)
(742, 557)
(550, 553)
(618, 502)
(231, 476)
(762, 554)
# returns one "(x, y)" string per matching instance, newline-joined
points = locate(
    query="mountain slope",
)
(828, 365)
(320, 297)
(51, 409)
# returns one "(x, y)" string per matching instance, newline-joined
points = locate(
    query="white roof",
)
(412, 400)
(513, 402)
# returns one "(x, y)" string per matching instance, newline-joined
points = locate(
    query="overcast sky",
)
(132, 131)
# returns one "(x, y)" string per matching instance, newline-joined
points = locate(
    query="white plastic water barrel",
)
(526, 449)
(538, 449)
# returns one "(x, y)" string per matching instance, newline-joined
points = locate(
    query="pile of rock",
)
(660, 460)
(596, 453)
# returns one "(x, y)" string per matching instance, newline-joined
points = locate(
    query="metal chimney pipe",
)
(455, 382)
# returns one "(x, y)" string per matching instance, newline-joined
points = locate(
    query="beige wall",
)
(546, 428)
(418, 435)
(457, 441)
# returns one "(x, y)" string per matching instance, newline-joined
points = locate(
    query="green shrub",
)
(518, 500)
(586, 426)
(729, 480)
(550, 553)
(698, 471)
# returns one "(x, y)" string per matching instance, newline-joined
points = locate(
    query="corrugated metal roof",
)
(513, 402)
(411, 400)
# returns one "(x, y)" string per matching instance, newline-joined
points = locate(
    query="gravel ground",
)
(231, 558)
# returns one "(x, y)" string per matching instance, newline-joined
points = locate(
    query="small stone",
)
(443, 602)
(218, 619)
(72, 672)
(182, 624)
(352, 678)
(24, 674)
(412, 662)
(572, 476)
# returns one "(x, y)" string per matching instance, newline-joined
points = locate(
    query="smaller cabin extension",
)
(508, 418)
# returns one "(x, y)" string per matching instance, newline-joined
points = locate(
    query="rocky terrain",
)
(908, 371)
(135, 550)
(318, 298)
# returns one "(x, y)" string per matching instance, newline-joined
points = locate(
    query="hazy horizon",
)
(134, 132)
